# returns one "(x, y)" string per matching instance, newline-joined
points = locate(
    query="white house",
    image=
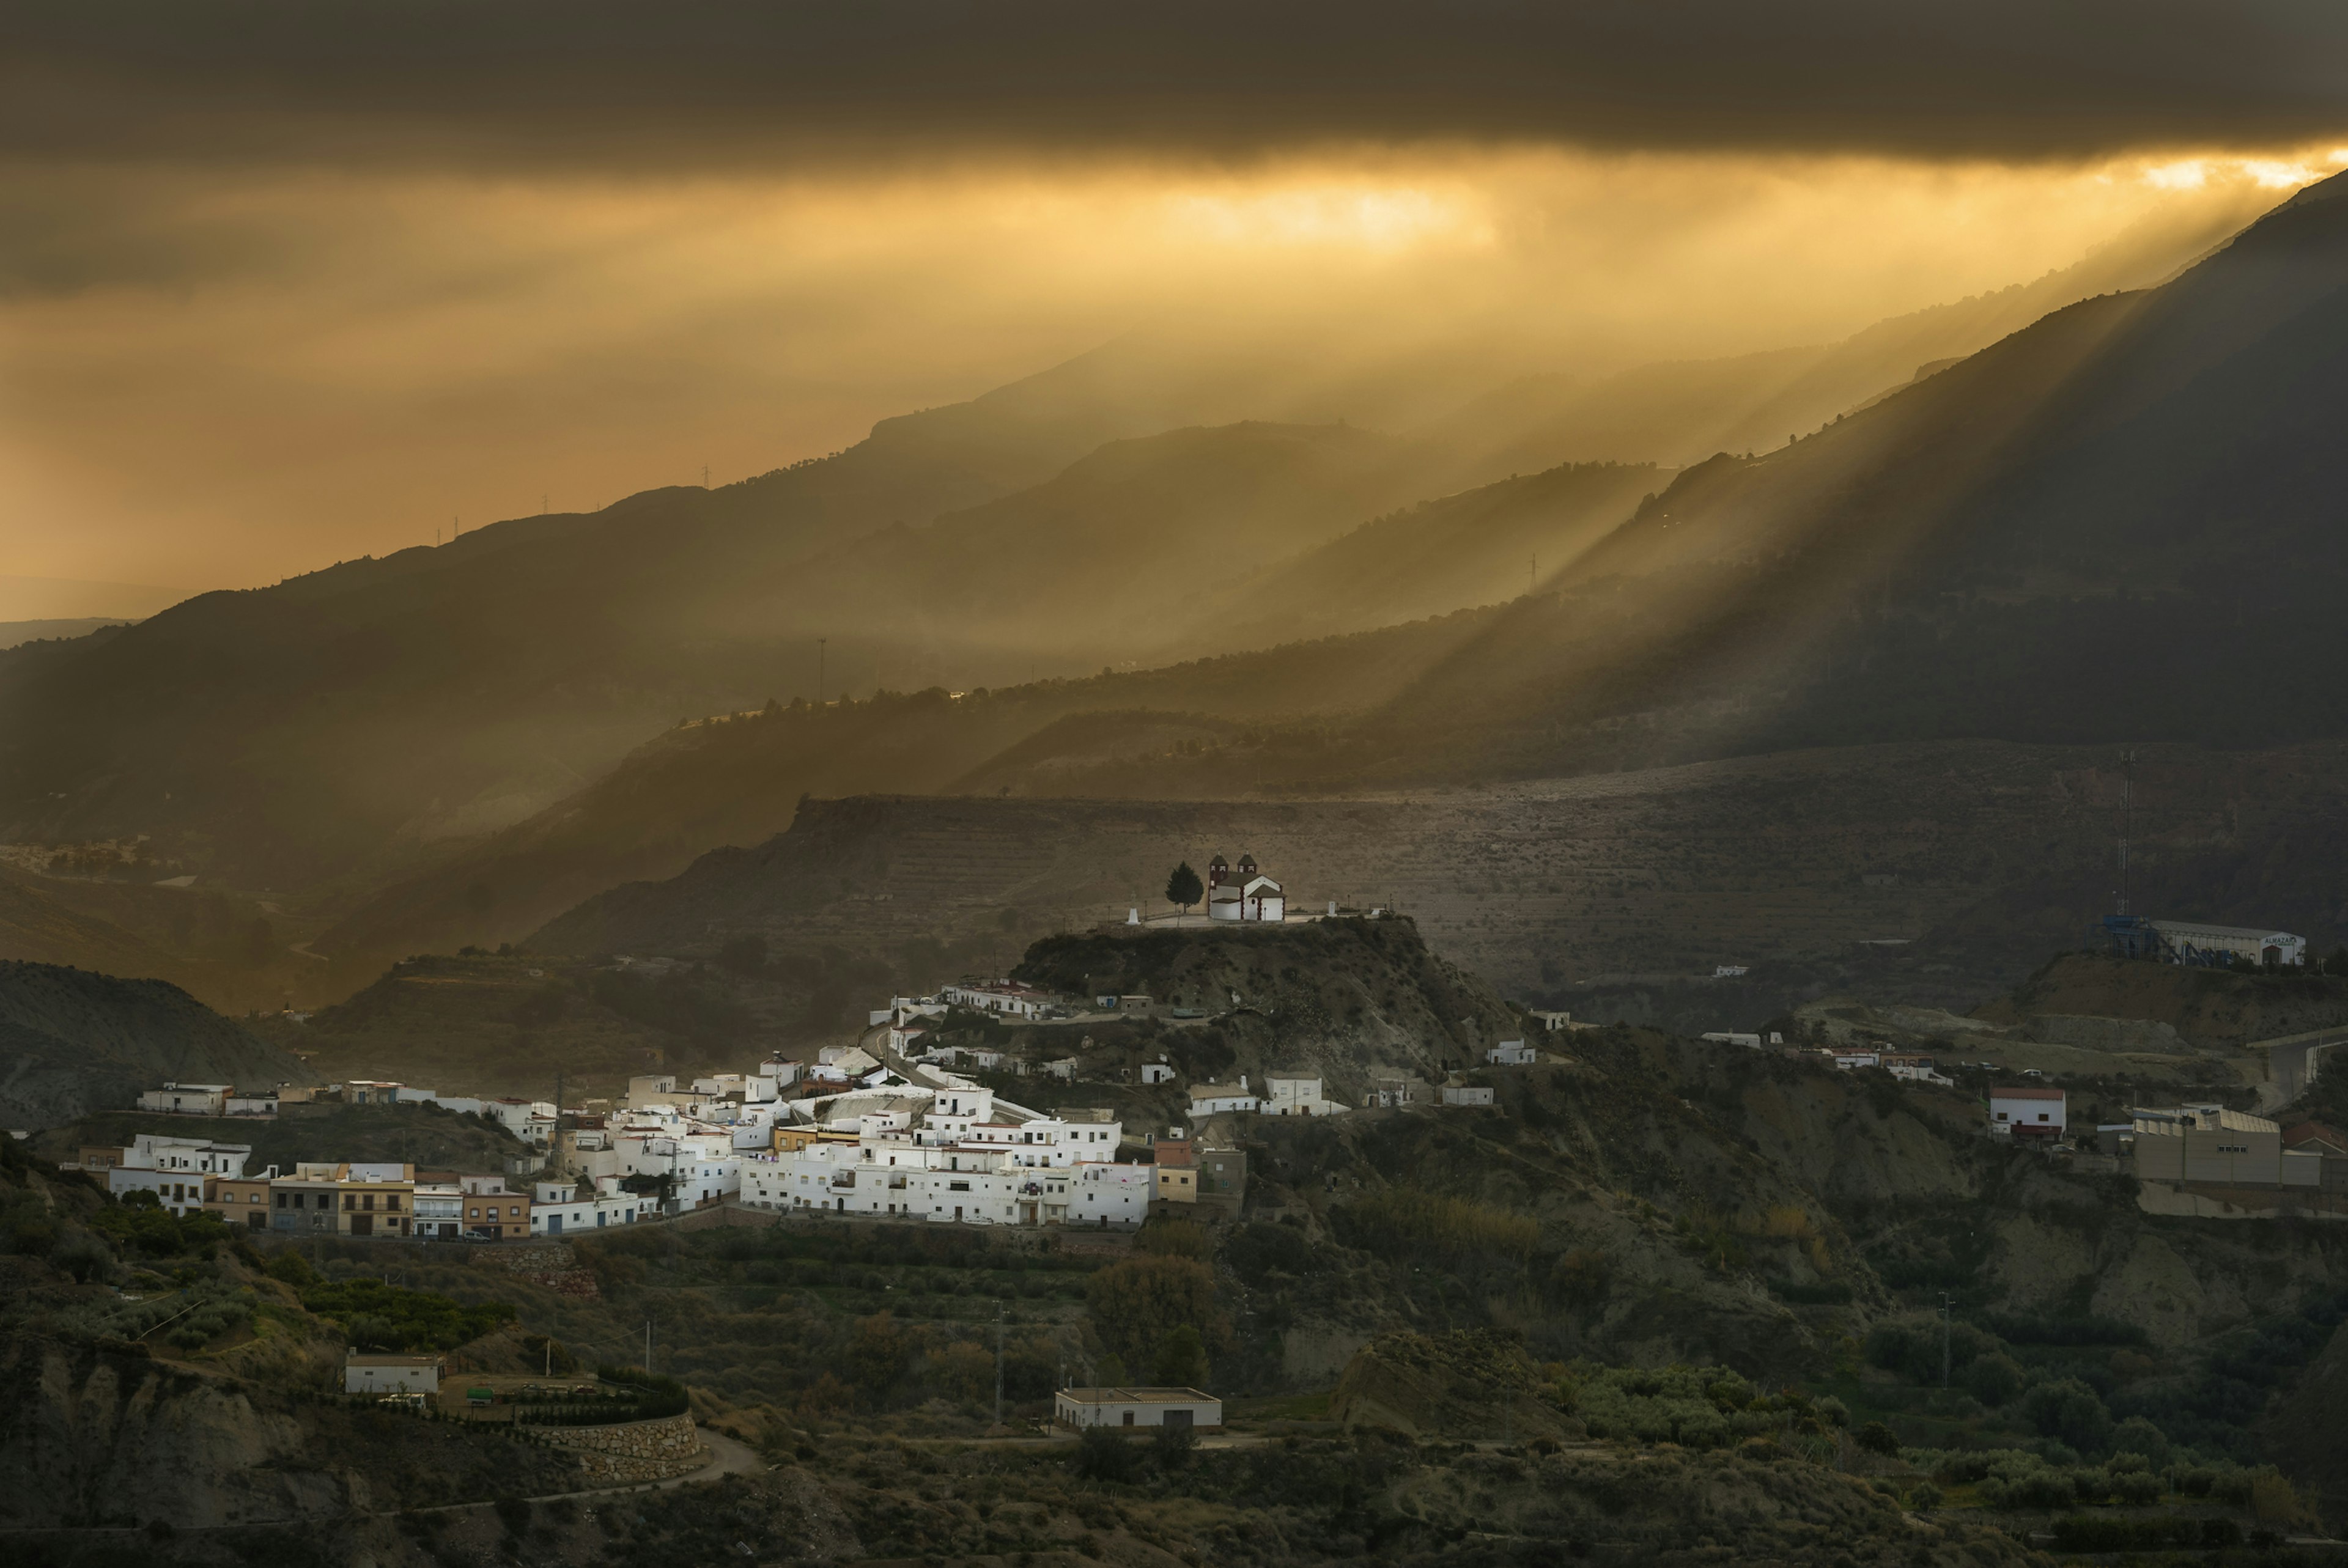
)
(175, 1169)
(1467, 1094)
(1111, 1195)
(1008, 998)
(391, 1374)
(1209, 1099)
(1298, 1094)
(2026, 1112)
(439, 1210)
(1156, 1072)
(1512, 1054)
(1136, 1408)
(561, 1209)
(255, 1102)
(1247, 895)
(188, 1099)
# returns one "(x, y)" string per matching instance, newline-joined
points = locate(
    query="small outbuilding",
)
(391, 1374)
(1083, 1408)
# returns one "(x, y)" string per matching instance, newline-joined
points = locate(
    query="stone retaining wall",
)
(632, 1451)
(551, 1265)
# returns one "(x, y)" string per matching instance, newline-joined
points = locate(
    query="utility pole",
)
(2127, 819)
(704, 476)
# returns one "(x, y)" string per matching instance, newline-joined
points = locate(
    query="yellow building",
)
(1177, 1173)
(241, 1201)
(377, 1200)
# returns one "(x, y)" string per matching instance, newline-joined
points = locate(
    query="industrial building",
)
(2212, 1143)
(2194, 943)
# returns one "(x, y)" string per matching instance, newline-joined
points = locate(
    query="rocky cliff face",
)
(105, 1437)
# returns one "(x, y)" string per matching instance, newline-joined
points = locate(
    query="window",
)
(391, 1201)
(281, 1200)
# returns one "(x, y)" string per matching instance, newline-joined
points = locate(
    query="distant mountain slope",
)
(37, 925)
(72, 1043)
(1680, 412)
(1479, 547)
(1116, 553)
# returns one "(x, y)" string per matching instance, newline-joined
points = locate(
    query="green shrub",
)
(1993, 1379)
(2069, 1410)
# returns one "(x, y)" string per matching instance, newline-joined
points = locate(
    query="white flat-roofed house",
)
(1512, 1054)
(1211, 1099)
(1156, 1072)
(1850, 1058)
(1123, 1407)
(2027, 1112)
(573, 1210)
(1008, 998)
(438, 1208)
(1104, 1193)
(1298, 1094)
(188, 1099)
(258, 1103)
(370, 1374)
(1468, 1094)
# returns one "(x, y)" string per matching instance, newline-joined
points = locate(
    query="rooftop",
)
(2026, 1093)
(1137, 1396)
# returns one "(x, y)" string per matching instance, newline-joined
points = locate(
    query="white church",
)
(1249, 896)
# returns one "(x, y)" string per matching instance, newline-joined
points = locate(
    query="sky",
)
(288, 282)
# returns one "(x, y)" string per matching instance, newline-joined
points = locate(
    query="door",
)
(363, 1224)
(554, 1224)
(1177, 1417)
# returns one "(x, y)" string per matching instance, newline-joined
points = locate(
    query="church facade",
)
(1244, 895)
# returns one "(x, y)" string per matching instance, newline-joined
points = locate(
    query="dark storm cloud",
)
(597, 81)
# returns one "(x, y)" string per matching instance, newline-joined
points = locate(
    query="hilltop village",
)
(926, 1116)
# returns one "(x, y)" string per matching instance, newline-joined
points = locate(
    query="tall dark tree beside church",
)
(1184, 888)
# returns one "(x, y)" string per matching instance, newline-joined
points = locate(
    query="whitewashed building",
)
(1298, 1094)
(370, 1374)
(1244, 895)
(1211, 1099)
(1136, 1408)
(188, 1099)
